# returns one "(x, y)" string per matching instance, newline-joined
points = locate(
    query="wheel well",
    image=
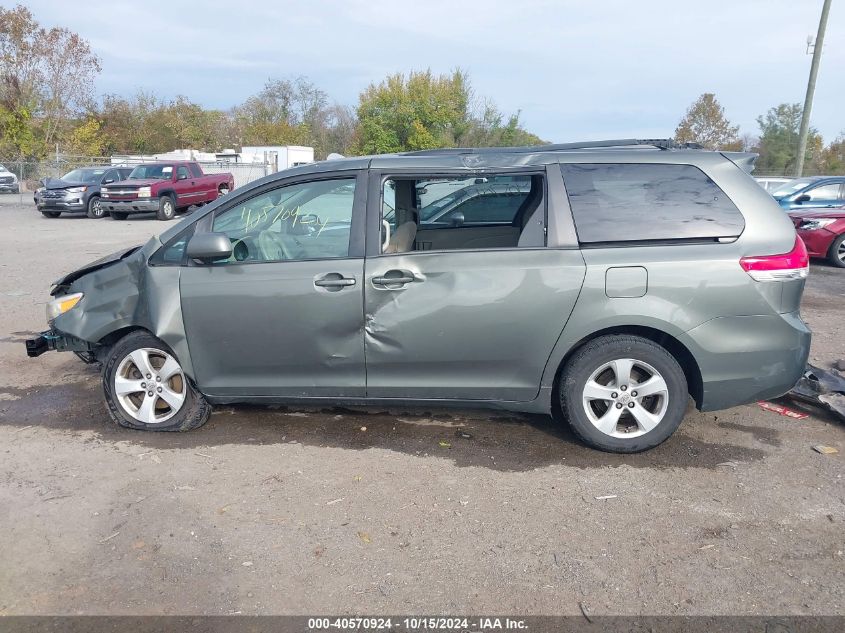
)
(681, 354)
(106, 343)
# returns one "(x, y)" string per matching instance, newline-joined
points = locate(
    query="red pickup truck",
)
(163, 188)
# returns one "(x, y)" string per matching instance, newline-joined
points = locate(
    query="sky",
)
(575, 70)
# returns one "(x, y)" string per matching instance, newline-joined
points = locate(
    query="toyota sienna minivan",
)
(606, 283)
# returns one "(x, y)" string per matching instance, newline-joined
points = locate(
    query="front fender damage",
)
(123, 295)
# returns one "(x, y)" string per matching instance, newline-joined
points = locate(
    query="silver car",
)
(604, 283)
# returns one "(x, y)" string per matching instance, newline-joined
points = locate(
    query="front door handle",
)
(393, 278)
(334, 281)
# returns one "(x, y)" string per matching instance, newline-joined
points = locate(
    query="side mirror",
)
(108, 181)
(457, 219)
(802, 198)
(208, 247)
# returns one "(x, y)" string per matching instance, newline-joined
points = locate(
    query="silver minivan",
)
(606, 283)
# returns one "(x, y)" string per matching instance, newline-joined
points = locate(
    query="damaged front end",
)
(92, 302)
(52, 340)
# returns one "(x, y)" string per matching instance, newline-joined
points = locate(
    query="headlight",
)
(76, 189)
(145, 192)
(815, 223)
(60, 305)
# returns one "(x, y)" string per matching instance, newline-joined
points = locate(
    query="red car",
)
(164, 189)
(823, 232)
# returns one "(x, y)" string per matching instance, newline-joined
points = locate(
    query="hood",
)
(58, 183)
(835, 212)
(108, 260)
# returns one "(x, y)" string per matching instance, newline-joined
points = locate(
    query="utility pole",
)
(811, 88)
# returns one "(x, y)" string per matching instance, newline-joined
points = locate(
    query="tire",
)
(836, 254)
(222, 190)
(166, 208)
(651, 419)
(175, 404)
(95, 208)
(51, 214)
(118, 215)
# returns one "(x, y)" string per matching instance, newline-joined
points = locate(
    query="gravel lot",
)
(294, 511)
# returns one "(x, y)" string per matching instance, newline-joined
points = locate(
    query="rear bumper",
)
(141, 205)
(817, 242)
(748, 358)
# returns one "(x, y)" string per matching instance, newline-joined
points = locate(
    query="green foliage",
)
(833, 157)
(778, 143)
(16, 133)
(426, 111)
(705, 123)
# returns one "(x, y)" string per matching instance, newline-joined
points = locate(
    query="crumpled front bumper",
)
(59, 341)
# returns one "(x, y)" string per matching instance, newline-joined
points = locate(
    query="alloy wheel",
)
(625, 398)
(150, 386)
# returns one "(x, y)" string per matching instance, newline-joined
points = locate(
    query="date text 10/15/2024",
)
(416, 624)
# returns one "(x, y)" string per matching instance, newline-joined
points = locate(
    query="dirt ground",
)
(296, 511)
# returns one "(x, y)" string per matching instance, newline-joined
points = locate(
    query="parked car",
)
(770, 183)
(823, 233)
(8, 181)
(811, 193)
(629, 278)
(165, 189)
(78, 191)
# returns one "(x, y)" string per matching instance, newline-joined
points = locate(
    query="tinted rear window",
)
(637, 202)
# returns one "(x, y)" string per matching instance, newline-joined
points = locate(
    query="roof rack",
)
(626, 143)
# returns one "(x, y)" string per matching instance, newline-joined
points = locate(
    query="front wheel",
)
(146, 389)
(836, 254)
(166, 208)
(118, 215)
(95, 208)
(623, 393)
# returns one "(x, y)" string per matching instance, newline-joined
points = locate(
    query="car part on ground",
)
(822, 388)
(548, 291)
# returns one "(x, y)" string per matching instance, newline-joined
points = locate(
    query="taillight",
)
(792, 265)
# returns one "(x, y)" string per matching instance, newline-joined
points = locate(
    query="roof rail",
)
(627, 143)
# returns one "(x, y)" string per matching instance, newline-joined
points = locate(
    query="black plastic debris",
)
(822, 388)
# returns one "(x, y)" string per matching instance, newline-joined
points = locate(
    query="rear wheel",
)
(836, 254)
(222, 190)
(118, 215)
(146, 389)
(51, 214)
(166, 208)
(95, 208)
(623, 393)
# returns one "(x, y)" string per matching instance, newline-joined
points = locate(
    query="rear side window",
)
(639, 202)
(195, 170)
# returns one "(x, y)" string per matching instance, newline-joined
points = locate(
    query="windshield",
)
(84, 175)
(155, 172)
(2, 168)
(792, 186)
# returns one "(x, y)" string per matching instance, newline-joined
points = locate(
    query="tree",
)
(778, 144)
(45, 73)
(833, 157)
(425, 111)
(705, 123)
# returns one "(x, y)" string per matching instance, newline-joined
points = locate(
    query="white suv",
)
(8, 181)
